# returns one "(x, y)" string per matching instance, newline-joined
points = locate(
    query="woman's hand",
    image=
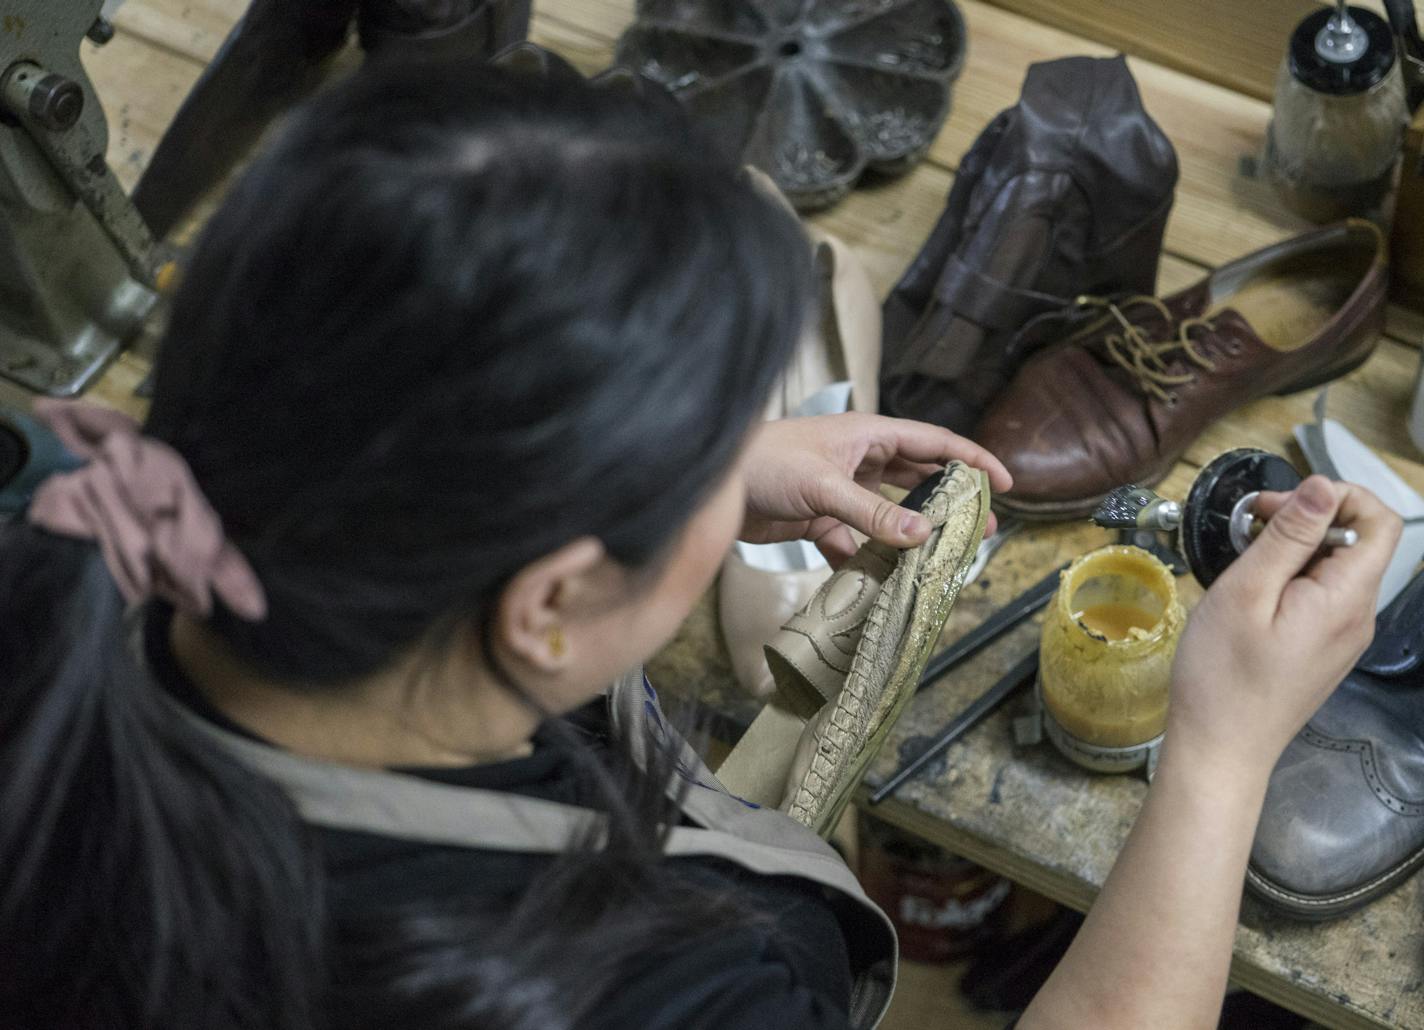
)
(1267, 644)
(1279, 630)
(817, 478)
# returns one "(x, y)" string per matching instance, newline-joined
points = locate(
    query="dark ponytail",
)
(147, 880)
(451, 321)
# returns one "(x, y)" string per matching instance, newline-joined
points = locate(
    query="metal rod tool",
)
(965, 721)
(1006, 618)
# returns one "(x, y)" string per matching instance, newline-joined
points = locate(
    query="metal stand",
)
(77, 263)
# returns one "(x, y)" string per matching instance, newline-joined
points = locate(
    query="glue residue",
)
(1107, 647)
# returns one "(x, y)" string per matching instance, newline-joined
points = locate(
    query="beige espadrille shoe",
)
(807, 758)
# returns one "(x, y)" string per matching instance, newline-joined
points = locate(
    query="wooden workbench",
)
(1028, 814)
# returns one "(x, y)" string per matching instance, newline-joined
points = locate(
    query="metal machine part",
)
(1207, 538)
(1341, 41)
(1134, 507)
(1245, 527)
(811, 93)
(1333, 144)
(1243, 521)
(1216, 524)
(77, 262)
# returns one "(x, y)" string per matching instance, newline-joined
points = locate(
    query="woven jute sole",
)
(900, 633)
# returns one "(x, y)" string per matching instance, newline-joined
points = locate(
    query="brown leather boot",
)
(1121, 398)
(1066, 192)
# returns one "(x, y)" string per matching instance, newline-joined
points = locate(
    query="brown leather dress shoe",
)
(1126, 392)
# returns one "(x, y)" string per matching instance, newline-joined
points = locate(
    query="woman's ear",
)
(533, 615)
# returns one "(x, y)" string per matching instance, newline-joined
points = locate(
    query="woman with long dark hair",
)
(300, 688)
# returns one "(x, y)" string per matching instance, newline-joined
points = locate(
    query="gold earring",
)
(556, 641)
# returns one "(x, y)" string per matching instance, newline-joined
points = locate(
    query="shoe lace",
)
(1149, 361)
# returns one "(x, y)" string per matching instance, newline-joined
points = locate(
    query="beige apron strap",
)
(760, 765)
(405, 807)
(410, 808)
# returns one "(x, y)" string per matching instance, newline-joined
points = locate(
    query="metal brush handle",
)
(1341, 41)
(1246, 526)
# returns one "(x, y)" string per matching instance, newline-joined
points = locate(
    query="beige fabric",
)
(853, 327)
(842, 340)
(411, 808)
(759, 767)
(809, 659)
(811, 655)
(752, 604)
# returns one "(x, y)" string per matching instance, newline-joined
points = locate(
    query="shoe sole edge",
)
(1320, 907)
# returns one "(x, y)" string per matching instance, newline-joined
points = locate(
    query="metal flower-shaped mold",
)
(811, 91)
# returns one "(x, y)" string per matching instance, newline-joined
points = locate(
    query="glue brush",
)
(1136, 507)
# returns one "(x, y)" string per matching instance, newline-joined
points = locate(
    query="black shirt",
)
(789, 972)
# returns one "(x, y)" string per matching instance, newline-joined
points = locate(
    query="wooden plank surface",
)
(140, 87)
(1218, 214)
(191, 28)
(1233, 44)
(1036, 818)
(1226, 42)
(1033, 816)
(975, 802)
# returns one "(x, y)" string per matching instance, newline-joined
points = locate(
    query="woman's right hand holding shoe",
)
(1281, 627)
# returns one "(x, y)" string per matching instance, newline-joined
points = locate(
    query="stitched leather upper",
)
(1075, 423)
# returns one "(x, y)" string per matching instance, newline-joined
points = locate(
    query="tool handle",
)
(1335, 536)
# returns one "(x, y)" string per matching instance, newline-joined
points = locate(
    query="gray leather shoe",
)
(1343, 821)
